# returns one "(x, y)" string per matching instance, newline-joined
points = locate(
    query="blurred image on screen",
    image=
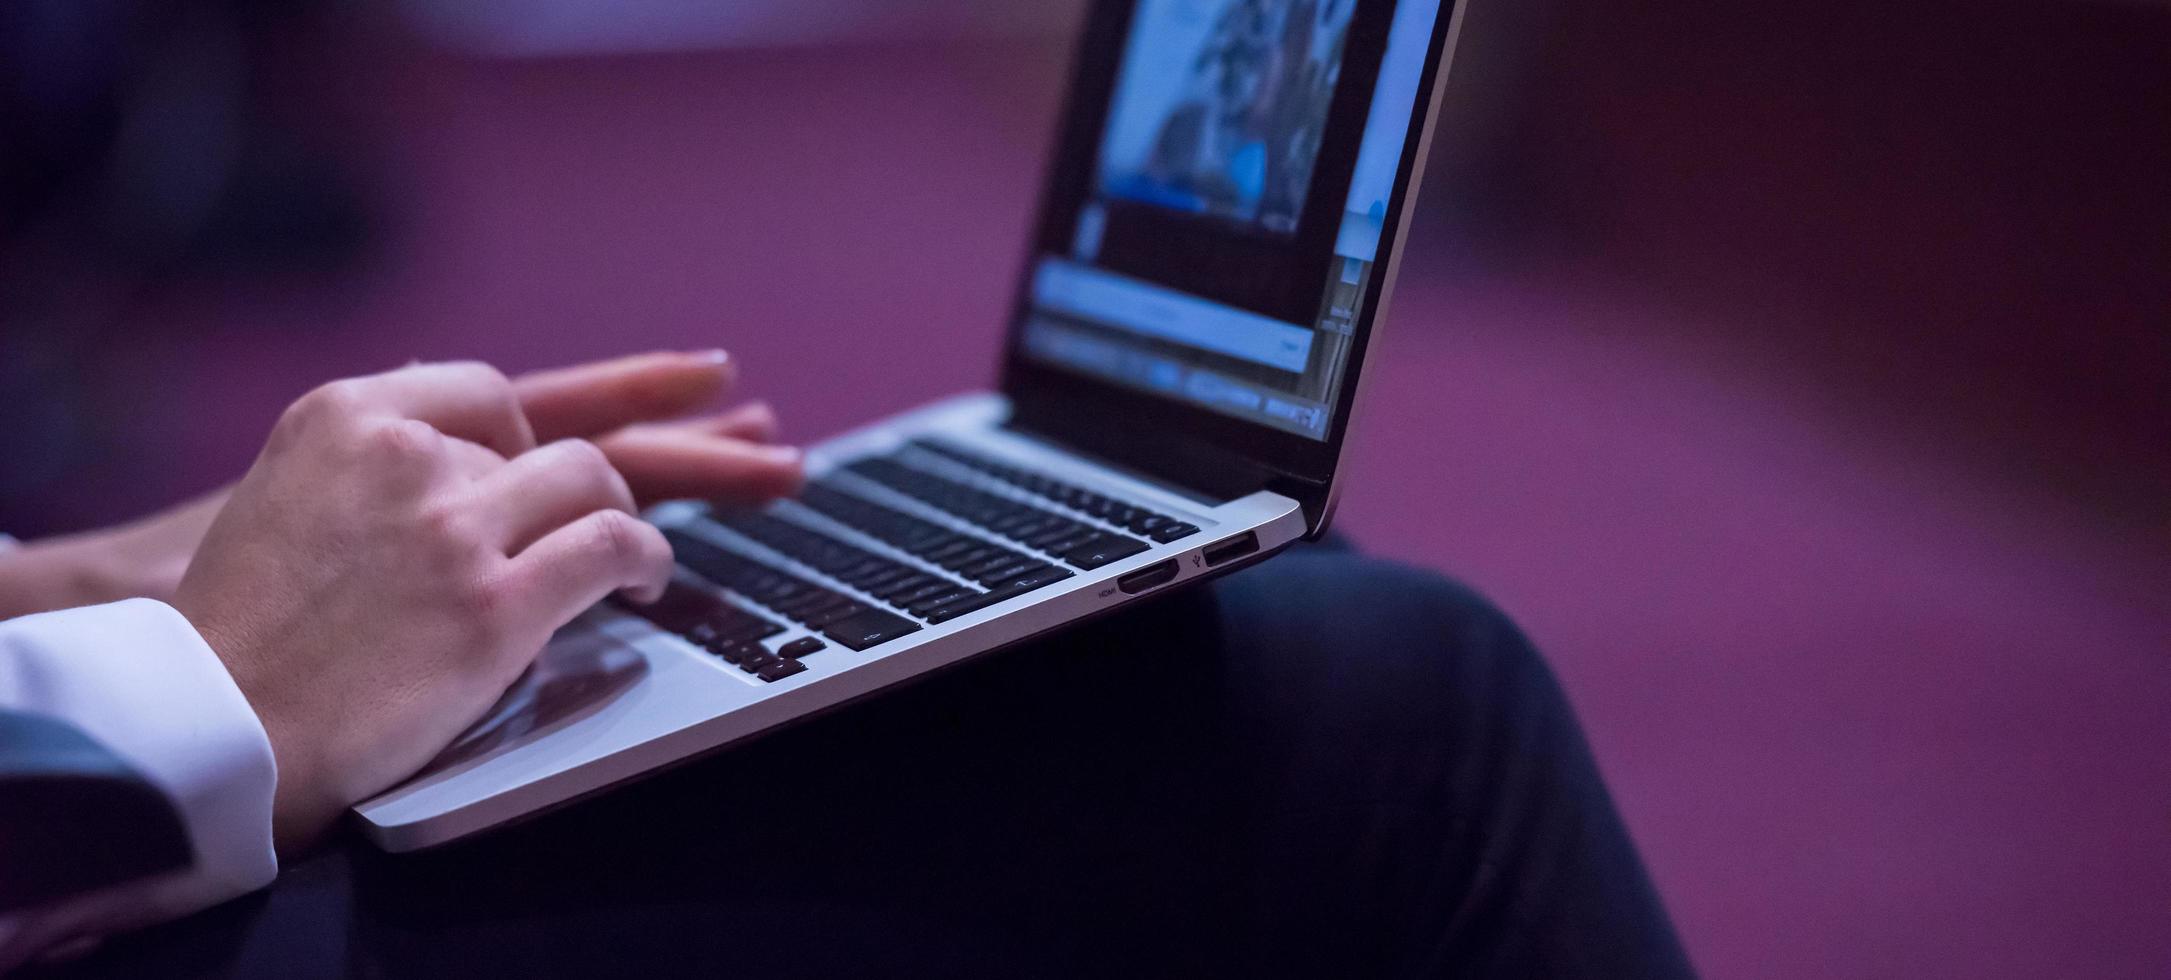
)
(1221, 106)
(1198, 268)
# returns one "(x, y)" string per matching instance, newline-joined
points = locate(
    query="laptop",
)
(1215, 248)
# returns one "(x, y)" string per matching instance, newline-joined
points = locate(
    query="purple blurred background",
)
(1799, 376)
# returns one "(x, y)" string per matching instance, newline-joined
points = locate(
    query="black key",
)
(1145, 523)
(904, 599)
(975, 571)
(1015, 587)
(830, 606)
(919, 539)
(680, 607)
(1031, 520)
(801, 647)
(864, 569)
(949, 611)
(889, 576)
(701, 617)
(1060, 532)
(949, 551)
(1103, 549)
(737, 652)
(1045, 529)
(727, 625)
(897, 587)
(917, 585)
(706, 635)
(1013, 570)
(779, 670)
(971, 558)
(1013, 525)
(1072, 541)
(1175, 531)
(941, 599)
(782, 591)
(870, 628)
(756, 660)
(1043, 576)
(832, 614)
(805, 603)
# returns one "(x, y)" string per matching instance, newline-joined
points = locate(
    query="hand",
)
(617, 404)
(398, 554)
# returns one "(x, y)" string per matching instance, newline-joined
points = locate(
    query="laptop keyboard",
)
(817, 607)
(930, 597)
(724, 630)
(990, 564)
(1159, 527)
(1075, 542)
(891, 598)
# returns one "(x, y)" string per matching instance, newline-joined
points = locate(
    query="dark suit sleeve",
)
(75, 817)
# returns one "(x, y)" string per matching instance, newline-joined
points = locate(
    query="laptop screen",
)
(1221, 251)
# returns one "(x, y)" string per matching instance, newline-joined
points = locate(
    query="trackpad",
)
(578, 672)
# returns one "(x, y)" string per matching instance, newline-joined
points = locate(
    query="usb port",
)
(1150, 577)
(1230, 548)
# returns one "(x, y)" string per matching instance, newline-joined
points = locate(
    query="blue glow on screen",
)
(1217, 112)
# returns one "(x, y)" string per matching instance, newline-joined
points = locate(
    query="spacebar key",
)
(870, 628)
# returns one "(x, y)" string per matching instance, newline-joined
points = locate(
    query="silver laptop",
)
(1215, 249)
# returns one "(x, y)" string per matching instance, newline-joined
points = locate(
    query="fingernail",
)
(712, 356)
(783, 455)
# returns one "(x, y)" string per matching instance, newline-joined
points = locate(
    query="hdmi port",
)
(1230, 548)
(1150, 577)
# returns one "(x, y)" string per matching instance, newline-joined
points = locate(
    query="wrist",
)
(303, 805)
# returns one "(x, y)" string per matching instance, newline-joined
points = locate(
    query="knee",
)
(1383, 644)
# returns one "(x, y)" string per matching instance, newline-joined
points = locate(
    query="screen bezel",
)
(1164, 436)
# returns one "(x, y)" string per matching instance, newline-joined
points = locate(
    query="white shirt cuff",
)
(136, 677)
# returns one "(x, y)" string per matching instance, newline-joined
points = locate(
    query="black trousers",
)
(1326, 766)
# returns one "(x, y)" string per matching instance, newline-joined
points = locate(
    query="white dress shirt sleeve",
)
(136, 677)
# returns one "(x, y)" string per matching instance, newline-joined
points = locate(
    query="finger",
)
(662, 463)
(577, 565)
(466, 400)
(593, 399)
(754, 422)
(545, 489)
